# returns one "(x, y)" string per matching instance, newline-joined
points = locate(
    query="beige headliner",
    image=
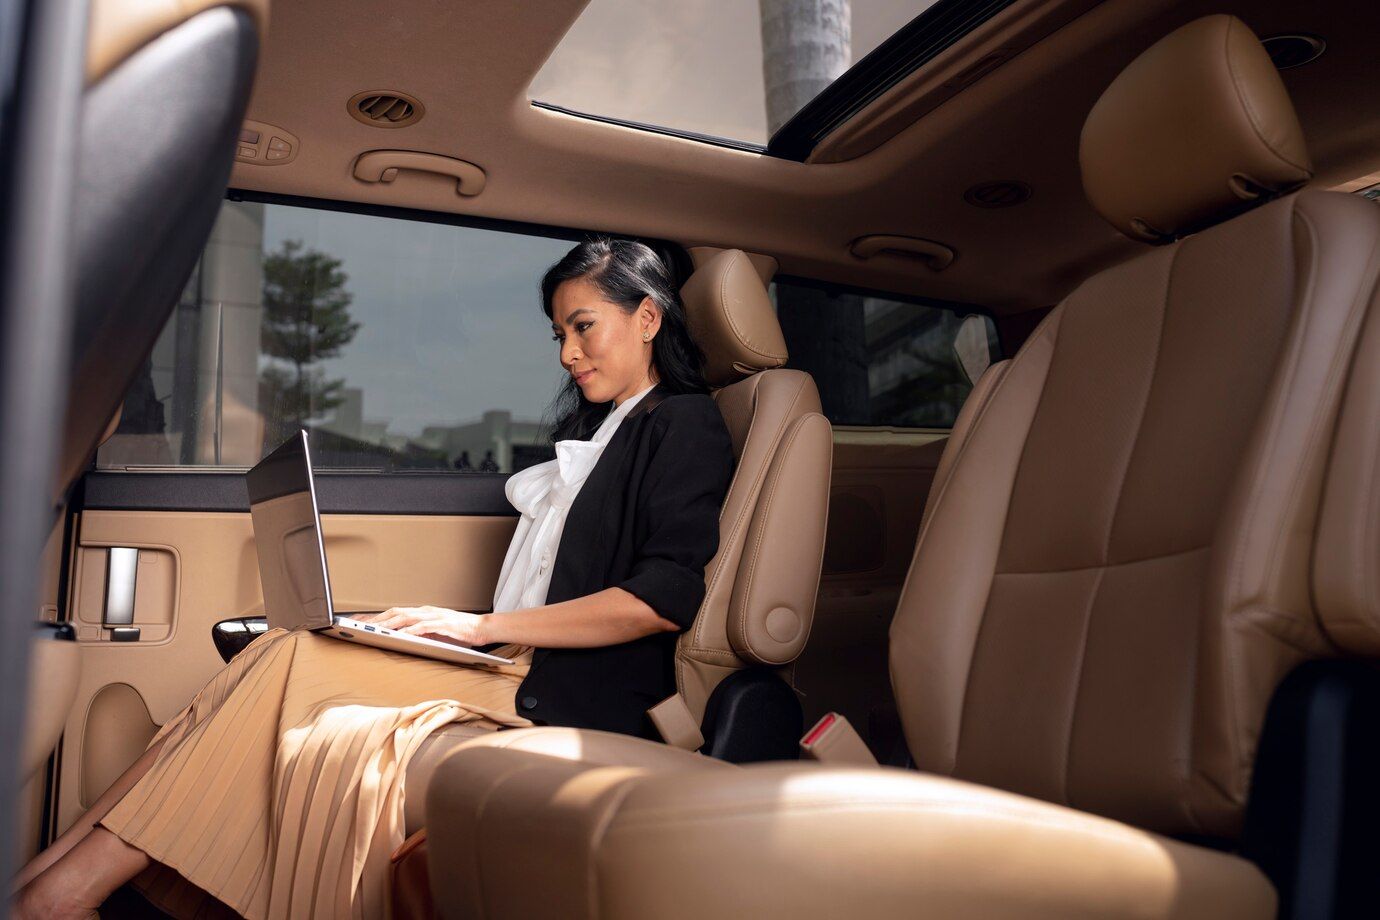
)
(470, 64)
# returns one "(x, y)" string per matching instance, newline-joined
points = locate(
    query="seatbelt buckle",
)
(676, 723)
(833, 740)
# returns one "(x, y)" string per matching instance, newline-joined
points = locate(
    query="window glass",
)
(400, 344)
(878, 361)
(732, 69)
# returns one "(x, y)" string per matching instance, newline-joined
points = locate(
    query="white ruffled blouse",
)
(542, 494)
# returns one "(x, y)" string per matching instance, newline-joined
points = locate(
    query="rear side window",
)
(400, 344)
(879, 361)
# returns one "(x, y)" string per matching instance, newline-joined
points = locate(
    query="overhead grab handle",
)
(383, 166)
(936, 256)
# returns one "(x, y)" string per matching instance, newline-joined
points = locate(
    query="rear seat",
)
(762, 583)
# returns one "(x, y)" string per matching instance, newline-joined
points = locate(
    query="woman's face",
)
(606, 349)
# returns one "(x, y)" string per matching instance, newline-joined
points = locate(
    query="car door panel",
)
(199, 567)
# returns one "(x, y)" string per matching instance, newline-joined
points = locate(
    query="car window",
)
(400, 344)
(878, 361)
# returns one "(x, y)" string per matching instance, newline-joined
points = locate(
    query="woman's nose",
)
(570, 353)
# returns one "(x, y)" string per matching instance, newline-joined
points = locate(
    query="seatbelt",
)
(834, 741)
(677, 725)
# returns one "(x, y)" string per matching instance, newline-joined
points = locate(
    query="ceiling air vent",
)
(1293, 50)
(385, 109)
(1005, 193)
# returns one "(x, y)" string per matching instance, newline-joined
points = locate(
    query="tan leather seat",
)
(762, 583)
(1146, 519)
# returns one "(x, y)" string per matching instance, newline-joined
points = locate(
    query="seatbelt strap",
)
(833, 740)
(677, 725)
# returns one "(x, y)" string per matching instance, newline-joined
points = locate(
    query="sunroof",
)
(726, 70)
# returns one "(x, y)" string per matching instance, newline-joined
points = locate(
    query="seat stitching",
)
(596, 838)
(750, 505)
(1246, 105)
(728, 314)
(757, 546)
(1328, 393)
(1044, 331)
(1153, 557)
(1112, 518)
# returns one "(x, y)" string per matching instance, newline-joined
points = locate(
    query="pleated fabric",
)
(279, 789)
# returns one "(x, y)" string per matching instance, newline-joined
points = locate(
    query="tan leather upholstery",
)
(591, 747)
(1122, 558)
(121, 27)
(1144, 480)
(1346, 577)
(732, 318)
(762, 583)
(547, 837)
(1198, 123)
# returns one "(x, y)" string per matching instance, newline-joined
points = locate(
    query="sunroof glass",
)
(730, 69)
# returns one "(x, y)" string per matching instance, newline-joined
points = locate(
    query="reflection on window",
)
(878, 361)
(733, 69)
(399, 344)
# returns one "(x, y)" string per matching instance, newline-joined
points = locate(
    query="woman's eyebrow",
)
(573, 314)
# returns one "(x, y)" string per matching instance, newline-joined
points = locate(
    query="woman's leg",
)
(79, 882)
(83, 825)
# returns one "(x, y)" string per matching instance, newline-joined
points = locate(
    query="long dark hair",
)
(624, 271)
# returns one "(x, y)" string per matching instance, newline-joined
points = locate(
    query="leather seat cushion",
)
(792, 841)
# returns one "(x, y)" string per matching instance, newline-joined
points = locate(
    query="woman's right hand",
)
(440, 623)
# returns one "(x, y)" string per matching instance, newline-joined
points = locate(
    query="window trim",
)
(712, 140)
(910, 48)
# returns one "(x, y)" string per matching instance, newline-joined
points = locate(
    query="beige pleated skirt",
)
(279, 789)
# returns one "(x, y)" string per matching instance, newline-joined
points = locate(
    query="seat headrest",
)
(732, 319)
(1190, 132)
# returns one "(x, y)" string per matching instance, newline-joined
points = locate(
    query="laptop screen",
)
(287, 535)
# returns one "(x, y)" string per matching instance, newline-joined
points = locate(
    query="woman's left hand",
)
(440, 623)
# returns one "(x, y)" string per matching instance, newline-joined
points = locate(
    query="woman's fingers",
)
(441, 629)
(399, 617)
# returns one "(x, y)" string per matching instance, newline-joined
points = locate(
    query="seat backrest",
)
(1158, 508)
(167, 88)
(762, 583)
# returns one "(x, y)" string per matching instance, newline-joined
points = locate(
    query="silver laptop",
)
(292, 561)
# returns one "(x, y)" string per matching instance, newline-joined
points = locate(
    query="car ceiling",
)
(470, 65)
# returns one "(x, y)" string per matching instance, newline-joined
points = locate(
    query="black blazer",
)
(646, 520)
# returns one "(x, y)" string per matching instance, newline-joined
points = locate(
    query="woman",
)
(279, 790)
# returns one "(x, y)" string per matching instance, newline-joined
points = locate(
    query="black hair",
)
(625, 272)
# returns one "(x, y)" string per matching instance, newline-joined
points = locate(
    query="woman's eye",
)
(557, 338)
(581, 327)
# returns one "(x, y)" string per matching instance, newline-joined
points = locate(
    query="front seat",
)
(166, 89)
(1162, 506)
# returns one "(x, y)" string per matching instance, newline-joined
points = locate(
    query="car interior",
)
(1047, 333)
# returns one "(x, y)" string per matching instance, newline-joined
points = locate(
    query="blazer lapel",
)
(580, 555)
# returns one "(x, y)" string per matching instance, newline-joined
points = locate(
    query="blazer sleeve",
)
(677, 516)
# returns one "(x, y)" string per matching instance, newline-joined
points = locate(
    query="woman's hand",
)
(440, 623)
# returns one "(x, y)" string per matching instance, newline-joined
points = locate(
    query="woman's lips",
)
(581, 377)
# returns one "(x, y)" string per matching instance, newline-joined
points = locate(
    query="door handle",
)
(121, 577)
(383, 166)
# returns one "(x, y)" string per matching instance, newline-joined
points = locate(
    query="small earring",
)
(646, 336)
